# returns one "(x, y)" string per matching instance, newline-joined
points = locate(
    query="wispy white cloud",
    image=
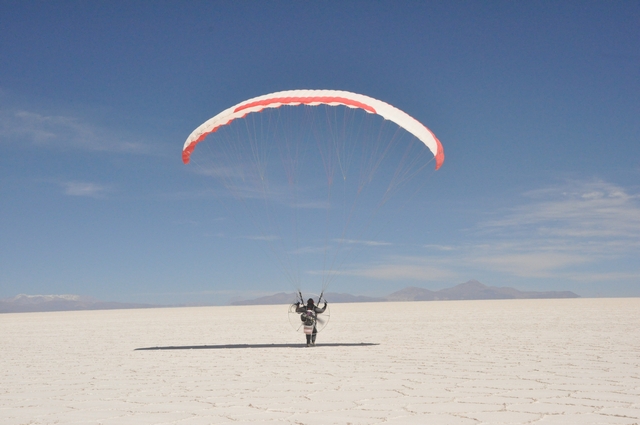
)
(584, 210)
(440, 247)
(243, 181)
(362, 242)
(576, 231)
(608, 276)
(558, 231)
(527, 264)
(401, 270)
(62, 132)
(92, 190)
(249, 181)
(340, 245)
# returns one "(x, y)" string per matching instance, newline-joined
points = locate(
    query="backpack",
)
(308, 317)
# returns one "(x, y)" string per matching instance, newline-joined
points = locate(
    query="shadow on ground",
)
(231, 346)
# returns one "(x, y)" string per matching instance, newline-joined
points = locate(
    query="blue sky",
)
(537, 105)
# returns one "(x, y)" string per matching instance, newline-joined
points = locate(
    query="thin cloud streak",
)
(62, 132)
(87, 189)
(560, 233)
(577, 210)
(397, 272)
(529, 264)
(604, 277)
(445, 248)
(572, 225)
(362, 242)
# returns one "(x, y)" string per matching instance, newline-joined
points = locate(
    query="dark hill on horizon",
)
(289, 298)
(40, 303)
(471, 290)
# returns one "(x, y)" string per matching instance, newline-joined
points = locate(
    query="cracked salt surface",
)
(543, 362)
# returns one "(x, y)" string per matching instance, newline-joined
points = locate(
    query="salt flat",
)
(573, 361)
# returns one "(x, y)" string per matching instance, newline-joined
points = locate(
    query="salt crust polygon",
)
(468, 362)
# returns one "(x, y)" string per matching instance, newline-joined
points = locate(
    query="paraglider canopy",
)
(316, 97)
(314, 171)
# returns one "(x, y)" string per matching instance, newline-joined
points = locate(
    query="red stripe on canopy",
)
(306, 100)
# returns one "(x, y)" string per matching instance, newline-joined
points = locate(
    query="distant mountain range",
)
(471, 290)
(288, 298)
(32, 303)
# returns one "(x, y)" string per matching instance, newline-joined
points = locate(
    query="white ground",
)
(461, 362)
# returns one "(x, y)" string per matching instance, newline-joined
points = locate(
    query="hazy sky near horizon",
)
(537, 105)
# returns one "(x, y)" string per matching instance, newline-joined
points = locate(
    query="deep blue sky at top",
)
(536, 103)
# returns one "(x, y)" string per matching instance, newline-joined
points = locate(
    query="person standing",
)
(309, 315)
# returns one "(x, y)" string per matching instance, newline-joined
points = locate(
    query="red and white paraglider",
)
(314, 171)
(314, 98)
